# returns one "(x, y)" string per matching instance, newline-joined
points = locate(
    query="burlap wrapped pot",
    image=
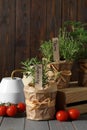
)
(40, 104)
(63, 68)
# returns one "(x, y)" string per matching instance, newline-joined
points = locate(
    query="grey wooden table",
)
(21, 123)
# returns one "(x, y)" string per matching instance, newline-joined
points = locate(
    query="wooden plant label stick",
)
(38, 76)
(55, 49)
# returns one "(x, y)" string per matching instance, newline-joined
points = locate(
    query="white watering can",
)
(11, 89)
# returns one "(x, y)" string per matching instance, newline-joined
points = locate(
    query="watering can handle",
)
(14, 71)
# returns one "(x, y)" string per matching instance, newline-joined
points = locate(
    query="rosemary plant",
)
(47, 50)
(79, 33)
(45, 70)
(28, 67)
(67, 45)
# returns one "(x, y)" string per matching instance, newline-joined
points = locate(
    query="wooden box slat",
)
(75, 97)
(75, 94)
(81, 107)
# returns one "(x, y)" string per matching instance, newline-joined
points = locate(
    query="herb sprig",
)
(68, 47)
(28, 67)
(46, 49)
(79, 33)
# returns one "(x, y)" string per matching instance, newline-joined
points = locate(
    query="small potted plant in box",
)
(40, 102)
(68, 49)
(79, 33)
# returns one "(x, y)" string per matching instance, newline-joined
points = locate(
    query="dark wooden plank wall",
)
(24, 23)
(7, 36)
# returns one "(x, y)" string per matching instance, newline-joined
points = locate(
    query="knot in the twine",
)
(35, 104)
(83, 67)
(61, 74)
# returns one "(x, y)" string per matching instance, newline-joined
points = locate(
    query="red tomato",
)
(11, 110)
(62, 115)
(74, 113)
(3, 110)
(21, 107)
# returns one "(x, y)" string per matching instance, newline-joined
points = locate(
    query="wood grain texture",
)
(82, 108)
(82, 9)
(1, 119)
(83, 117)
(36, 125)
(75, 94)
(21, 123)
(7, 37)
(23, 24)
(12, 124)
(69, 10)
(56, 125)
(72, 95)
(80, 125)
(53, 18)
(37, 25)
(75, 97)
(22, 46)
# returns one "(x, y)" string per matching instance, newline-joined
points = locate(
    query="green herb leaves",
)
(68, 46)
(46, 49)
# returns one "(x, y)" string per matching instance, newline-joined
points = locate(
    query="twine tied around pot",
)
(60, 74)
(35, 104)
(84, 67)
(14, 71)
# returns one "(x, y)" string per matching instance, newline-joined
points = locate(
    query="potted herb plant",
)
(68, 49)
(40, 102)
(68, 46)
(79, 33)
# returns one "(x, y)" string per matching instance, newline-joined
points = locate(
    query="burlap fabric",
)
(63, 68)
(40, 104)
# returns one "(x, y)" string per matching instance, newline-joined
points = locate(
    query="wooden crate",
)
(74, 97)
